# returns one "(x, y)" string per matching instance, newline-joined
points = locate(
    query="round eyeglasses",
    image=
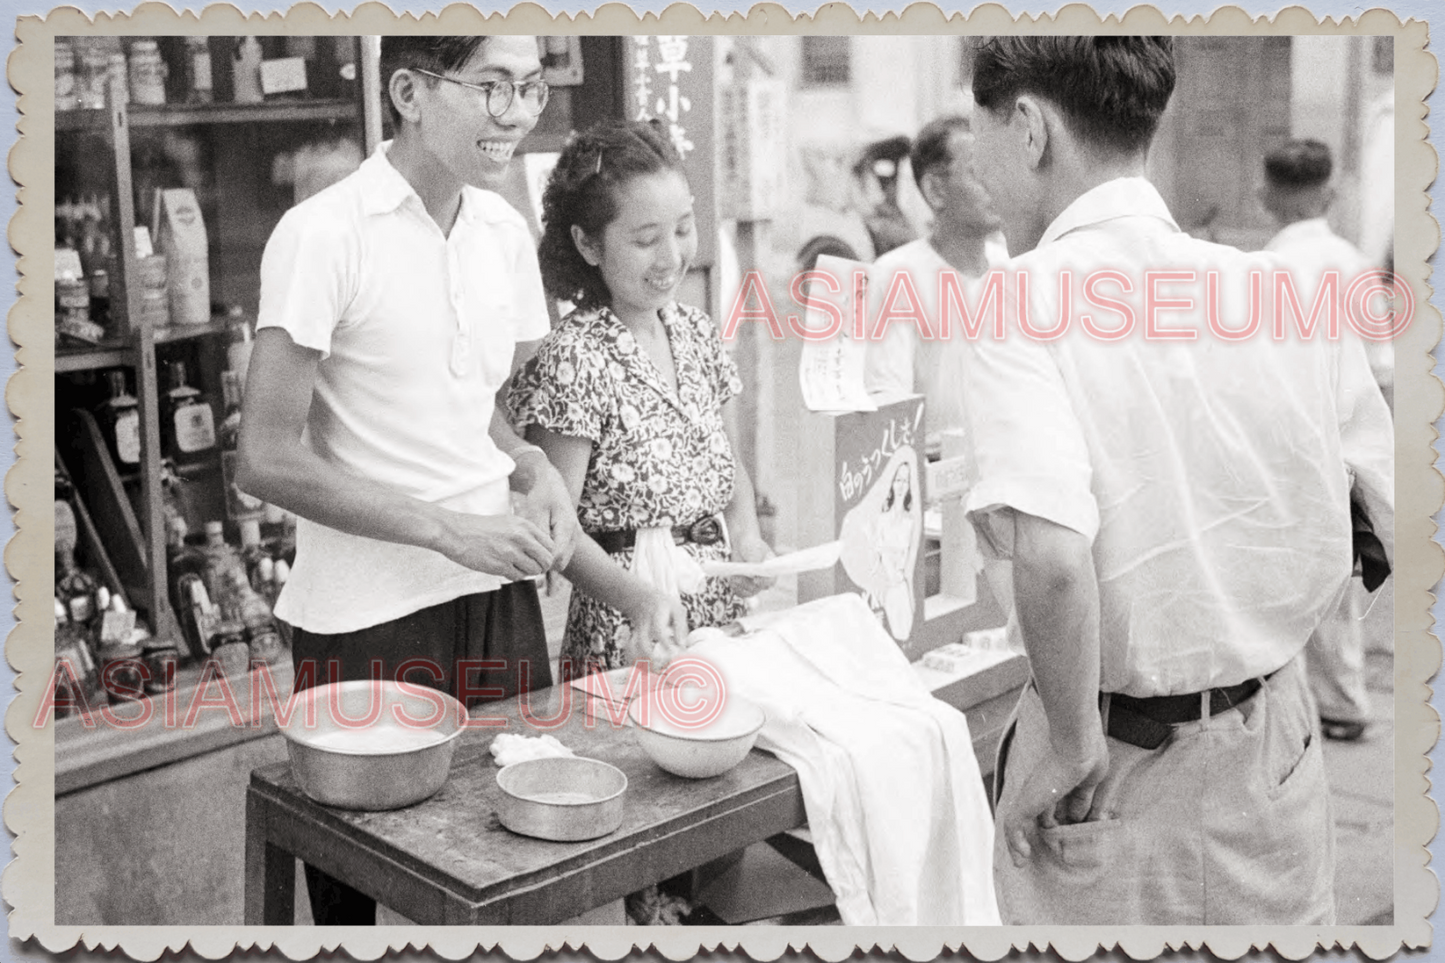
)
(501, 93)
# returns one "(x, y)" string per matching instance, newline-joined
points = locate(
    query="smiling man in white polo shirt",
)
(391, 307)
(1178, 514)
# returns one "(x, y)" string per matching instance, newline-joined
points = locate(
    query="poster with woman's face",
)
(881, 535)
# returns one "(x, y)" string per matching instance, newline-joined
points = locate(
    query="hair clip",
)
(598, 168)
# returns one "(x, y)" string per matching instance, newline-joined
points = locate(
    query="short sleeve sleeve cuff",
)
(560, 390)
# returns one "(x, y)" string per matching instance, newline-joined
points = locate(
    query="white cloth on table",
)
(892, 789)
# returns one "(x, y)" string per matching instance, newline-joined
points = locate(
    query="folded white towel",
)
(508, 748)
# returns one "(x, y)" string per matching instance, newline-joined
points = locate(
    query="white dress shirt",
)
(416, 332)
(1310, 249)
(1212, 477)
(902, 363)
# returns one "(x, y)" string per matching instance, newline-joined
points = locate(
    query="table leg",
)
(270, 873)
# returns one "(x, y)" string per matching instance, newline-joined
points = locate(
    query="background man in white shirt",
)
(1298, 193)
(965, 240)
(1177, 512)
(391, 307)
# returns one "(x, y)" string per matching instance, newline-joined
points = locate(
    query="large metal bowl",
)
(372, 745)
(697, 752)
(563, 798)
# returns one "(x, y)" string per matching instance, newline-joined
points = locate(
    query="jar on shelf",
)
(94, 72)
(119, 75)
(147, 74)
(199, 85)
(65, 95)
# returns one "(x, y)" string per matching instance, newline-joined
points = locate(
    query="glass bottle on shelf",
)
(76, 589)
(199, 86)
(255, 615)
(184, 565)
(188, 428)
(78, 684)
(247, 72)
(119, 418)
(238, 350)
(223, 566)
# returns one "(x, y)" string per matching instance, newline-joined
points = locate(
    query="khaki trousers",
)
(1227, 823)
(1335, 657)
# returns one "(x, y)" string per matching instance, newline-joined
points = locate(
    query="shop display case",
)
(120, 158)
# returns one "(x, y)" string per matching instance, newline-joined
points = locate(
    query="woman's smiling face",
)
(645, 251)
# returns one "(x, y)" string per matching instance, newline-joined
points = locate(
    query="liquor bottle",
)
(187, 424)
(255, 615)
(74, 587)
(184, 565)
(80, 685)
(247, 72)
(238, 350)
(223, 567)
(119, 420)
(198, 71)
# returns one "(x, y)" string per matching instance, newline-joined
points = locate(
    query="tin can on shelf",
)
(65, 96)
(147, 74)
(154, 296)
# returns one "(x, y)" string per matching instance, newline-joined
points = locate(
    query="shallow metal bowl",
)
(564, 798)
(372, 745)
(701, 752)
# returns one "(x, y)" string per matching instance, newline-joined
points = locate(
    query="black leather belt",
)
(1148, 723)
(705, 531)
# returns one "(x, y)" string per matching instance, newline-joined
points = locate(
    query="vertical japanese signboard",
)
(670, 79)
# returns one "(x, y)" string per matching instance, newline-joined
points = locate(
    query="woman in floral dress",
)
(629, 398)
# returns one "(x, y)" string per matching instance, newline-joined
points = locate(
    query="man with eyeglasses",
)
(392, 305)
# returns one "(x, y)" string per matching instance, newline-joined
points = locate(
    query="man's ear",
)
(585, 247)
(403, 89)
(1031, 121)
(928, 187)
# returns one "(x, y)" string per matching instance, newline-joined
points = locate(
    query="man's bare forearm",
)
(1057, 595)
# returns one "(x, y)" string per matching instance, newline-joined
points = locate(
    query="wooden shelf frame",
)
(186, 115)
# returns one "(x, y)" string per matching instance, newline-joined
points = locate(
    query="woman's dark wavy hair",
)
(583, 191)
(1112, 90)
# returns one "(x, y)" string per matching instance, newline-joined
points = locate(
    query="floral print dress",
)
(659, 457)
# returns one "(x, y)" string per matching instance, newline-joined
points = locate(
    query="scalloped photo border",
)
(28, 882)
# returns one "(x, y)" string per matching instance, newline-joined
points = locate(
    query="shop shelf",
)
(182, 115)
(184, 332)
(88, 359)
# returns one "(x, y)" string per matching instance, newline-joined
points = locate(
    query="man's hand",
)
(508, 546)
(1059, 791)
(547, 504)
(751, 550)
(659, 627)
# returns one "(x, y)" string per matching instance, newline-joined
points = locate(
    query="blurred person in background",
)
(1298, 193)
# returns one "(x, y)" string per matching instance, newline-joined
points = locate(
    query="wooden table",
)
(448, 860)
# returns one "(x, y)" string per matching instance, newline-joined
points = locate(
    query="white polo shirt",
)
(1212, 477)
(416, 332)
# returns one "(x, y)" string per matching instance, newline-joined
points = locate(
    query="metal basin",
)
(372, 745)
(697, 753)
(563, 799)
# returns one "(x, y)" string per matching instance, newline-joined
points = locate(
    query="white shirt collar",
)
(386, 189)
(1306, 230)
(1121, 197)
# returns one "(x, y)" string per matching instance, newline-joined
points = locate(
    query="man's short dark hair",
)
(436, 54)
(930, 147)
(1298, 164)
(1111, 90)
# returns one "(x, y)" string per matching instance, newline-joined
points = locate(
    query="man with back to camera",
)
(1297, 193)
(392, 305)
(1178, 515)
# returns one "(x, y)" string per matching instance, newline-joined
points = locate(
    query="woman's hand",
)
(751, 550)
(659, 628)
